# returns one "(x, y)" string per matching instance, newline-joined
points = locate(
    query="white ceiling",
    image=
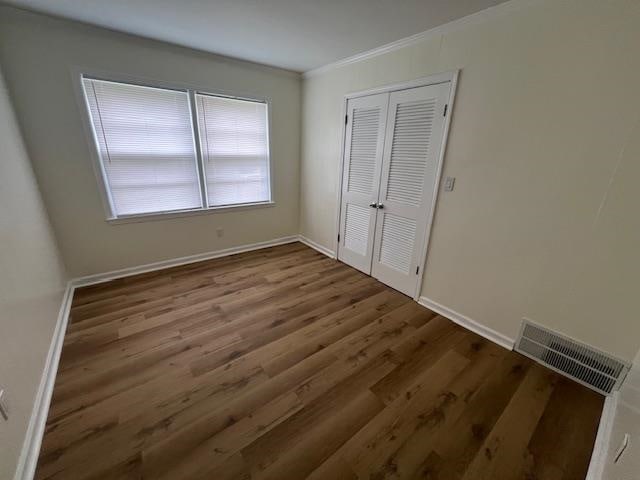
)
(297, 35)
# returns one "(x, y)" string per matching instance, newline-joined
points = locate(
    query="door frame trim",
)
(449, 76)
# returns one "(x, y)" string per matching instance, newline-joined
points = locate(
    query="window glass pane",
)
(145, 140)
(235, 149)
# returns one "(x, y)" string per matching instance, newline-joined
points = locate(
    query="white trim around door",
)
(441, 78)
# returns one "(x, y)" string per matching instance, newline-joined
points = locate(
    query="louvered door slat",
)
(364, 140)
(412, 133)
(356, 231)
(397, 242)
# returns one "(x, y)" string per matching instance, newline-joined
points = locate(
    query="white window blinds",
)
(235, 149)
(145, 140)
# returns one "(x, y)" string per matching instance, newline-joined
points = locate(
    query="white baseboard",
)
(150, 267)
(468, 323)
(28, 460)
(33, 439)
(31, 448)
(601, 446)
(316, 246)
(603, 438)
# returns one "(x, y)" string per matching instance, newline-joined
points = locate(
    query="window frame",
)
(78, 73)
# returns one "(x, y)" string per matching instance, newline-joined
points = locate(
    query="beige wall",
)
(38, 54)
(31, 286)
(545, 146)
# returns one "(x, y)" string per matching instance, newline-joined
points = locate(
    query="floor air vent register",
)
(595, 369)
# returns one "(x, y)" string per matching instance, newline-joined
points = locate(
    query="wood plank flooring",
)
(284, 364)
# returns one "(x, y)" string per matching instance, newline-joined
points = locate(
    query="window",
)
(233, 139)
(155, 158)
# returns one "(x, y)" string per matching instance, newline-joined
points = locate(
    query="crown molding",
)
(473, 19)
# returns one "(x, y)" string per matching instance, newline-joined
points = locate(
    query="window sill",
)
(150, 217)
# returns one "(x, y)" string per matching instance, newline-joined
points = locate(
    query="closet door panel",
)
(364, 142)
(397, 241)
(415, 128)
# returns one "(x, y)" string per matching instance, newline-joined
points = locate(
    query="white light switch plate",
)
(449, 182)
(623, 446)
(4, 410)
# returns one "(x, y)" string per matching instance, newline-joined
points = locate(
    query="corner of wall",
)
(31, 288)
(300, 150)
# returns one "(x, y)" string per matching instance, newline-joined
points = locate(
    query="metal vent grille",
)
(592, 368)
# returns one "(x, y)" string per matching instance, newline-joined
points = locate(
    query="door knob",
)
(373, 205)
(380, 206)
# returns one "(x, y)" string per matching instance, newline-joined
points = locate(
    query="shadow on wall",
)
(32, 281)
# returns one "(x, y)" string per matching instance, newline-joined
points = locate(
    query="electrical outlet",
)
(449, 182)
(220, 232)
(4, 409)
(623, 446)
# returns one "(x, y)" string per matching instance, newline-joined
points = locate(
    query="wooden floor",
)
(284, 364)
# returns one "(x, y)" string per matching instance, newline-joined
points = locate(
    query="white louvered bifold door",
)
(364, 139)
(414, 137)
